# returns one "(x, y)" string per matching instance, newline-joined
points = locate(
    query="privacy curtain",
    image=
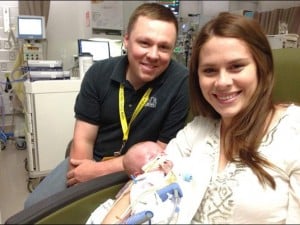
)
(269, 20)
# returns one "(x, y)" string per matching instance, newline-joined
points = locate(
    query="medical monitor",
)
(99, 49)
(171, 4)
(31, 27)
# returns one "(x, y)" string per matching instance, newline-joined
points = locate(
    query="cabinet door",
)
(54, 124)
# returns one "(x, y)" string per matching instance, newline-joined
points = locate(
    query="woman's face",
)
(227, 75)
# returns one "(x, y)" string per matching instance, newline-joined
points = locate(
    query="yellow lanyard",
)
(125, 126)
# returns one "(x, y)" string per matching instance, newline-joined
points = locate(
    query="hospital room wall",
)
(66, 23)
(70, 20)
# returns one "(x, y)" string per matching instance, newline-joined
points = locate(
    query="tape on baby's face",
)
(154, 163)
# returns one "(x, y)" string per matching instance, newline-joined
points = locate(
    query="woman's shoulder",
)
(294, 107)
(287, 138)
(291, 113)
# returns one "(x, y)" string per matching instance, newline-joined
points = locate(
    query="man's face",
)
(149, 47)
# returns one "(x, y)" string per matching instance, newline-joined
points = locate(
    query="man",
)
(124, 100)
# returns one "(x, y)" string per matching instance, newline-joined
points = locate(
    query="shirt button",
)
(130, 105)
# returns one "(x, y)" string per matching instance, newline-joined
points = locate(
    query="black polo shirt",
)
(160, 119)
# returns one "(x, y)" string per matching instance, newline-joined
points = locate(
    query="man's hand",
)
(83, 170)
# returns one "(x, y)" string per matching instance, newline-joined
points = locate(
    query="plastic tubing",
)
(139, 218)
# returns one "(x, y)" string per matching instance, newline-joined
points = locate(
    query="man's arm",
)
(83, 140)
(81, 150)
(82, 167)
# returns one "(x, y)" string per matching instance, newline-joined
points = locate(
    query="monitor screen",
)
(31, 27)
(249, 14)
(98, 49)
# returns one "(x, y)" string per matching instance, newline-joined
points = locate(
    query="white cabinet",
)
(49, 119)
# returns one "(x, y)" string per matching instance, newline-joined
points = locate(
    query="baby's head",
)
(140, 154)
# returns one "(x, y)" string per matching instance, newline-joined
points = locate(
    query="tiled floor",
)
(13, 181)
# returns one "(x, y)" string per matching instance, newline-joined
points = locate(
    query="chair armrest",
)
(48, 206)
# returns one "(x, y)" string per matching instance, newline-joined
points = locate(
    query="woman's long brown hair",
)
(248, 128)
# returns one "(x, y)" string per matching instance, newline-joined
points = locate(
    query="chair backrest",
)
(287, 75)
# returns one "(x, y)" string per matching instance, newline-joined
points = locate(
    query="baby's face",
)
(150, 154)
(143, 156)
(159, 162)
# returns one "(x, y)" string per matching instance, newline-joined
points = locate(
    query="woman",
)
(245, 148)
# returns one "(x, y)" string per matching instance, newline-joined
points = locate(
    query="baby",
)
(151, 172)
(139, 155)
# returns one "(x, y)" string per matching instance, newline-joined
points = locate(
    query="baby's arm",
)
(121, 205)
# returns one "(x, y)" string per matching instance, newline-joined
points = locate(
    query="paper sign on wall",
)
(107, 15)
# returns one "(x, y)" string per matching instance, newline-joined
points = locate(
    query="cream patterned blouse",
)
(235, 194)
